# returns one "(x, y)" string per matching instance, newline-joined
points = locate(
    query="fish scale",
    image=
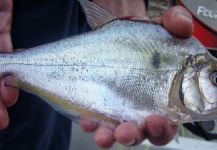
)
(123, 70)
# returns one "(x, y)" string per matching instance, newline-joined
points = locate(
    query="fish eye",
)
(213, 78)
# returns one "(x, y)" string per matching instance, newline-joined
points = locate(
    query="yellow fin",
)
(76, 113)
(19, 49)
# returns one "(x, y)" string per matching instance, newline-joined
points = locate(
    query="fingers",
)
(104, 137)
(5, 5)
(158, 130)
(8, 95)
(129, 134)
(89, 126)
(5, 42)
(4, 119)
(5, 25)
(178, 21)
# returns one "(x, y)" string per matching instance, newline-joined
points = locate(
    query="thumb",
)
(9, 95)
(4, 119)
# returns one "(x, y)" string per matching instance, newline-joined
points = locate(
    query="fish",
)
(122, 70)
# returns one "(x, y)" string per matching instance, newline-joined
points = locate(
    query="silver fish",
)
(123, 70)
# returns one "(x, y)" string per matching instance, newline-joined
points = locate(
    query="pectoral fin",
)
(96, 16)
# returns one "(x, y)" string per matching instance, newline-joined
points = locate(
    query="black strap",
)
(198, 130)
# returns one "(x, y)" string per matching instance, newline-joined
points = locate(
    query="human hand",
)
(8, 96)
(156, 128)
(178, 21)
(123, 8)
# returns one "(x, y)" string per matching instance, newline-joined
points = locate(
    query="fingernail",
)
(131, 143)
(155, 130)
(184, 17)
(187, 19)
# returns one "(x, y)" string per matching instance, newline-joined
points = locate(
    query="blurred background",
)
(157, 7)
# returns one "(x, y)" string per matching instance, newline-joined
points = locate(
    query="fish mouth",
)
(189, 98)
(191, 94)
(199, 115)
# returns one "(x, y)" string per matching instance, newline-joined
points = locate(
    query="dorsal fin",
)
(96, 16)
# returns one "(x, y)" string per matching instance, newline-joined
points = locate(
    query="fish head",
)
(198, 91)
